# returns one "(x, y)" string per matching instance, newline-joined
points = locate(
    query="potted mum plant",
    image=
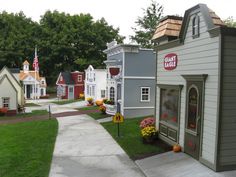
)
(102, 109)
(148, 130)
(90, 101)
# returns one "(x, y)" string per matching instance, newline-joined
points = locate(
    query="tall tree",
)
(230, 22)
(17, 38)
(147, 24)
(64, 42)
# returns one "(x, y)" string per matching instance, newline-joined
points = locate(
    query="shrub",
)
(102, 109)
(81, 96)
(106, 101)
(3, 111)
(44, 96)
(150, 121)
(99, 102)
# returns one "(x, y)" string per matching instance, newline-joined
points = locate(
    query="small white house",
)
(34, 85)
(11, 93)
(95, 83)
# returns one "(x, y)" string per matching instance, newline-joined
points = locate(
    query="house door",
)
(193, 118)
(28, 91)
(70, 92)
(41, 93)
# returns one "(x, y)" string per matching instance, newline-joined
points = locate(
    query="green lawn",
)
(26, 148)
(131, 140)
(61, 102)
(98, 115)
(30, 104)
(23, 115)
(88, 108)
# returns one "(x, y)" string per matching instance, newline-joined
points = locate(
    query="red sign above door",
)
(114, 71)
(170, 61)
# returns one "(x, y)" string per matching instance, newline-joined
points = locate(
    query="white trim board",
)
(138, 77)
(139, 107)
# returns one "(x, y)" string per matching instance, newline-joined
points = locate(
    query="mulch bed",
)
(160, 144)
(44, 117)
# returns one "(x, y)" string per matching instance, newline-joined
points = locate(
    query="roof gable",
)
(210, 18)
(5, 76)
(67, 78)
(10, 76)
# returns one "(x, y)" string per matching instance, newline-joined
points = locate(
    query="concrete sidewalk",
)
(85, 149)
(172, 164)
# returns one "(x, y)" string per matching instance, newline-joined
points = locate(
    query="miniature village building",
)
(11, 93)
(95, 83)
(70, 84)
(34, 85)
(130, 80)
(195, 93)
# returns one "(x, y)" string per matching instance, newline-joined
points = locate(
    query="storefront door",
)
(71, 92)
(193, 118)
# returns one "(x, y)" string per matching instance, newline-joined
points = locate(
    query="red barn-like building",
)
(72, 84)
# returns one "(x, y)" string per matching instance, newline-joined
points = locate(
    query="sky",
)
(120, 14)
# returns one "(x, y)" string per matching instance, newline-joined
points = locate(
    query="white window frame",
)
(93, 90)
(103, 93)
(196, 26)
(142, 94)
(87, 88)
(6, 103)
(79, 78)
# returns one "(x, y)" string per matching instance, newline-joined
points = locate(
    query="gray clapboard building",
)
(196, 86)
(130, 80)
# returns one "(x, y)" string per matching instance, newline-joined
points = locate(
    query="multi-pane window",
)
(79, 78)
(5, 102)
(88, 90)
(169, 105)
(103, 93)
(93, 91)
(112, 94)
(145, 93)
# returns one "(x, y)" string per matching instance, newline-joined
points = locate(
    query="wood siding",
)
(195, 56)
(227, 151)
(7, 90)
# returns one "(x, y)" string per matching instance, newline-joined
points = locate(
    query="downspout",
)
(155, 102)
(220, 93)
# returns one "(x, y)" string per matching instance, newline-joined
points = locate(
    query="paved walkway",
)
(172, 164)
(85, 149)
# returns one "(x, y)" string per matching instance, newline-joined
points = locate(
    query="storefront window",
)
(169, 106)
(112, 94)
(192, 109)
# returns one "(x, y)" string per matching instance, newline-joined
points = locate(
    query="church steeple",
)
(26, 66)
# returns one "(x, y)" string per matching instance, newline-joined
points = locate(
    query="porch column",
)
(25, 91)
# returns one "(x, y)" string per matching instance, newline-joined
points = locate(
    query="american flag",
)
(36, 62)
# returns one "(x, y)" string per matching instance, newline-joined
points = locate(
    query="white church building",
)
(34, 85)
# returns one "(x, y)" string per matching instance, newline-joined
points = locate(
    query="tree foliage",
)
(64, 42)
(230, 22)
(147, 24)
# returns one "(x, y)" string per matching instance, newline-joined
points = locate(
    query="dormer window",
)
(195, 26)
